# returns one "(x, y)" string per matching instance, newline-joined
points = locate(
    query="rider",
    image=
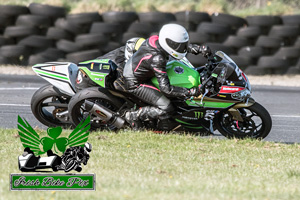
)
(119, 56)
(122, 54)
(149, 61)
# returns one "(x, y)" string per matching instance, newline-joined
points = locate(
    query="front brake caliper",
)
(236, 114)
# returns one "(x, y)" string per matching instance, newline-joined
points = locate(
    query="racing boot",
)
(135, 118)
(132, 119)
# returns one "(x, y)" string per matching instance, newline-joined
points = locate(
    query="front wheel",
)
(257, 123)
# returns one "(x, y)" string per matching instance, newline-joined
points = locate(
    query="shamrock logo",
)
(31, 139)
(53, 140)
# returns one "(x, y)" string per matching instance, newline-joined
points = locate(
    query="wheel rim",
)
(251, 126)
(96, 122)
(47, 108)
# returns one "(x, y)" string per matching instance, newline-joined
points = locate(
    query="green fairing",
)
(188, 78)
(186, 123)
(209, 104)
(193, 127)
(98, 78)
(92, 68)
(105, 61)
(178, 120)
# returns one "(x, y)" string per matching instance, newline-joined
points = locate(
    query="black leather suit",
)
(117, 56)
(149, 61)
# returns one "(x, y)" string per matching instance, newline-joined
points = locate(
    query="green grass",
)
(145, 165)
(236, 7)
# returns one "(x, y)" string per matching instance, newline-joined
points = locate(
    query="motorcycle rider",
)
(150, 60)
(74, 156)
(122, 54)
(119, 56)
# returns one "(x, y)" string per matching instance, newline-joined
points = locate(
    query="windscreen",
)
(223, 57)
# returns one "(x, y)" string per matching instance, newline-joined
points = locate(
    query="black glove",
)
(196, 91)
(196, 49)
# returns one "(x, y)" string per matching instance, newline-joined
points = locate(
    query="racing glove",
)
(196, 91)
(196, 49)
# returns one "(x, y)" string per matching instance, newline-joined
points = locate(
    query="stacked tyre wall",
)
(41, 33)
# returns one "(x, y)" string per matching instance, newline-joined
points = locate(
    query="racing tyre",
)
(191, 16)
(36, 41)
(293, 71)
(81, 56)
(84, 18)
(156, 17)
(119, 17)
(212, 28)
(269, 42)
(58, 34)
(46, 102)
(47, 10)
(236, 41)
(98, 95)
(142, 28)
(263, 20)
(257, 123)
(20, 31)
(199, 38)
(230, 20)
(68, 46)
(13, 10)
(291, 19)
(14, 51)
(33, 21)
(249, 32)
(94, 39)
(284, 31)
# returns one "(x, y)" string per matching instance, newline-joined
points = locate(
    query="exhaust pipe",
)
(104, 114)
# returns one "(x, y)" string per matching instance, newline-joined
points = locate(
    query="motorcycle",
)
(226, 104)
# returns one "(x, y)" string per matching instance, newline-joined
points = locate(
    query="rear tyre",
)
(77, 111)
(43, 109)
(257, 123)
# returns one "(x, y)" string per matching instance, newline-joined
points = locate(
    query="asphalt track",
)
(283, 103)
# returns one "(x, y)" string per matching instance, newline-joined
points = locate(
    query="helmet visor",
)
(179, 47)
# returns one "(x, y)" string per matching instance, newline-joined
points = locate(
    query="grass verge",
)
(145, 165)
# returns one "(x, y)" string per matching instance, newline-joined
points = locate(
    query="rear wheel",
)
(77, 111)
(47, 104)
(256, 123)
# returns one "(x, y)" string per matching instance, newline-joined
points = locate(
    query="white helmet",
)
(132, 45)
(174, 39)
(87, 148)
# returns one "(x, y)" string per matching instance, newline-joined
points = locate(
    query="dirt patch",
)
(278, 80)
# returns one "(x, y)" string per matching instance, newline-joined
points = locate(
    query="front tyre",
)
(257, 123)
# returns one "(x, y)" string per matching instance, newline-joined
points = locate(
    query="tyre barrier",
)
(42, 33)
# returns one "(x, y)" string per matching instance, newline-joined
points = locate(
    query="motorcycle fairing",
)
(99, 71)
(60, 74)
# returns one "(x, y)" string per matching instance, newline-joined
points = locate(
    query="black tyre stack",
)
(41, 33)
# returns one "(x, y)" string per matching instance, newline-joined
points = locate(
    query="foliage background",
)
(235, 7)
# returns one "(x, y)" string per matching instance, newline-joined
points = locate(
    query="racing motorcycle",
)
(225, 105)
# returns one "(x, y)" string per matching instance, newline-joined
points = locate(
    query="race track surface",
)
(283, 103)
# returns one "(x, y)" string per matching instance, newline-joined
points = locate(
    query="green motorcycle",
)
(225, 105)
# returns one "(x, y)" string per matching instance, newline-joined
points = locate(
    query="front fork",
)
(236, 113)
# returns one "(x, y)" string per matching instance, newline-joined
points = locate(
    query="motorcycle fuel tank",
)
(180, 75)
